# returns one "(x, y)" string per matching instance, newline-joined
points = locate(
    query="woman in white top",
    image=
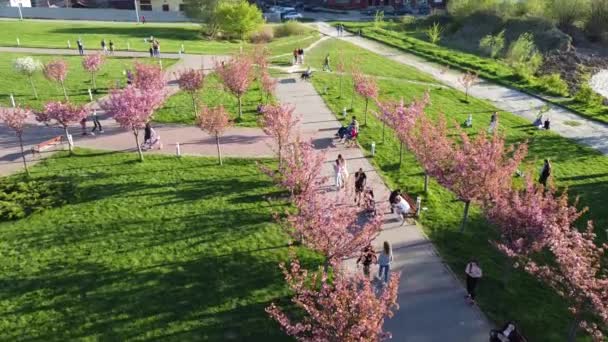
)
(385, 260)
(338, 174)
(474, 273)
(403, 208)
(343, 169)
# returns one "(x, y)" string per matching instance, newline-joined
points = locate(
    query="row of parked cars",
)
(403, 10)
(287, 13)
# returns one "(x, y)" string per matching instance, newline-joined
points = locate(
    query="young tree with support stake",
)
(479, 168)
(28, 66)
(191, 81)
(132, 108)
(468, 80)
(57, 71)
(92, 64)
(340, 69)
(278, 121)
(63, 113)
(15, 119)
(337, 306)
(268, 85)
(367, 88)
(236, 76)
(214, 121)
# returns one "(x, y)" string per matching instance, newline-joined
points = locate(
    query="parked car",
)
(403, 11)
(424, 10)
(292, 16)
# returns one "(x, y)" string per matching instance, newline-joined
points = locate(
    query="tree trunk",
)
(136, 134)
(573, 330)
(94, 81)
(194, 104)
(219, 151)
(33, 87)
(426, 182)
(70, 147)
(400, 153)
(365, 115)
(27, 171)
(383, 129)
(240, 106)
(65, 93)
(465, 216)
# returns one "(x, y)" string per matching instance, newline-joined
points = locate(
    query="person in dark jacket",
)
(545, 173)
(392, 199)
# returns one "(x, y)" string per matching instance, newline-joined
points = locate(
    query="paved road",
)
(588, 132)
(429, 295)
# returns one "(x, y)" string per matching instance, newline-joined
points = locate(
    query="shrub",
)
(493, 45)
(523, 56)
(597, 25)
(290, 28)
(265, 35)
(434, 33)
(588, 96)
(553, 84)
(19, 199)
(569, 12)
(408, 20)
(464, 8)
(238, 19)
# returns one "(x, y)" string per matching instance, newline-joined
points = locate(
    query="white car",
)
(292, 16)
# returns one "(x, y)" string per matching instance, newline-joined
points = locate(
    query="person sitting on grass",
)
(468, 123)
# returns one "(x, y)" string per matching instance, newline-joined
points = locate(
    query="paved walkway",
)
(432, 307)
(588, 132)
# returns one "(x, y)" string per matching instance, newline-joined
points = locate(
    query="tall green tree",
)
(238, 19)
(204, 11)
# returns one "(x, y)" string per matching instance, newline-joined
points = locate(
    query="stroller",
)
(351, 138)
(306, 75)
(508, 333)
(153, 141)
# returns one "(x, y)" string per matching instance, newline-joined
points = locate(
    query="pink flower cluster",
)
(365, 86)
(64, 113)
(92, 63)
(191, 80)
(15, 118)
(56, 70)
(149, 77)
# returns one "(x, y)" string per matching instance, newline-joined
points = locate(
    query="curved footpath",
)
(588, 132)
(432, 307)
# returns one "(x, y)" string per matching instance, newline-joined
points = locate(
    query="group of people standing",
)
(298, 56)
(154, 47)
(340, 30)
(104, 47)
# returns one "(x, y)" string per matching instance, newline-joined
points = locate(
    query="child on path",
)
(367, 258)
(339, 180)
(384, 261)
(474, 273)
(493, 122)
(545, 173)
(104, 47)
(344, 168)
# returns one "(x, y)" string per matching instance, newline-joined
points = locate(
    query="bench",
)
(45, 145)
(413, 208)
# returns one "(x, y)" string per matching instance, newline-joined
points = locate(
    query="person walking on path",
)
(384, 261)
(493, 122)
(295, 56)
(367, 258)
(326, 66)
(343, 169)
(111, 47)
(339, 177)
(360, 181)
(474, 273)
(143, 19)
(547, 124)
(545, 173)
(104, 48)
(392, 199)
(301, 55)
(96, 123)
(80, 47)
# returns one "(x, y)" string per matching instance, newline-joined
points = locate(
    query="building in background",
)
(362, 4)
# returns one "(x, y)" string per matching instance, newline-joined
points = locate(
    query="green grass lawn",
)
(55, 34)
(77, 84)
(170, 249)
(540, 312)
(491, 69)
(178, 108)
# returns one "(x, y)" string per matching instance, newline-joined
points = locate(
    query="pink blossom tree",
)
(149, 77)
(259, 58)
(330, 226)
(214, 121)
(300, 167)
(340, 68)
(236, 75)
(268, 85)
(62, 113)
(57, 71)
(92, 64)
(191, 81)
(367, 87)
(278, 121)
(337, 307)
(14, 118)
(132, 108)
(468, 80)
(479, 169)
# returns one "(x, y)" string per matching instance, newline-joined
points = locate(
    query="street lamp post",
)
(136, 11)
(20, 13)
